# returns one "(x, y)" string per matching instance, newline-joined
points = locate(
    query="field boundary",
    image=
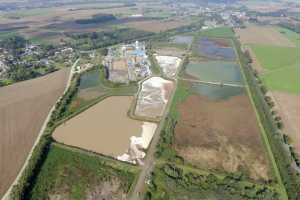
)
(41, 133)
(263, 131)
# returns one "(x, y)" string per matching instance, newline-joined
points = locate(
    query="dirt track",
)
(208, 138)
(23, 109)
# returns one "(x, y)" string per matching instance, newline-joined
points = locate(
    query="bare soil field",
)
(23, 108)
(263, 35)
(153, 97)
(289, 109)
(207, 138)
(157, 25)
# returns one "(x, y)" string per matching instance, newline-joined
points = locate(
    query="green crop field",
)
(282, 65)
(273, 58)
(224, 32)
(286, 80)
(72, 175)
(291, 35)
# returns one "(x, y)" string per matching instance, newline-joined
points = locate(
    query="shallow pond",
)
(182, 39)
(215, 92)
(90, 79)
(215, 49)
(215, 71)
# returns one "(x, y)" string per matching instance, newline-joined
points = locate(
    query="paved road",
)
(213, 83)
(42, 130)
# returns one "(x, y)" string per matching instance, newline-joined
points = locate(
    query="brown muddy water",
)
(104, 128)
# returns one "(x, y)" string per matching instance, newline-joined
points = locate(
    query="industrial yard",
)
(126, 63)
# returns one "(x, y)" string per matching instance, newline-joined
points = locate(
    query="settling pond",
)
(215, 92)
(104, 128)
(215, 71)
(182, 39)
(90, 86)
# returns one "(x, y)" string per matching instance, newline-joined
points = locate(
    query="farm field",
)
(290, 111)
(157, 25)
(263, 35)
(215, 147)
(280, 67)
(219, 32)
(273, 58)
(153, 98)
(71, 174)
(105, 138)
(214, 71)
(280, 72)
(285, 79)
(291, 35)
(22, 114)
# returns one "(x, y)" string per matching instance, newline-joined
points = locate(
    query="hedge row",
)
(282, 156)
(21, 189)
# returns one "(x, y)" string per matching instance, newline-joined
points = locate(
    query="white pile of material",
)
(153, 97)
(169, 65)
(136, 152)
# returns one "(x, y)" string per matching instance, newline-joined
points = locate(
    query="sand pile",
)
(153, 97)
(136, 152)
(169, 65)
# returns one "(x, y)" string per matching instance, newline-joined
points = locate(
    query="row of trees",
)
(96, 40)
(268, 116)
(230, 186)
(23, 187)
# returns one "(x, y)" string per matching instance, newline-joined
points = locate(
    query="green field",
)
(291, 35)
(282, 65)
(286, 79)
(72, 175)
(272, 58)
(220, 32)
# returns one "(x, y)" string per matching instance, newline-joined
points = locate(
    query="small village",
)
(32, 60)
